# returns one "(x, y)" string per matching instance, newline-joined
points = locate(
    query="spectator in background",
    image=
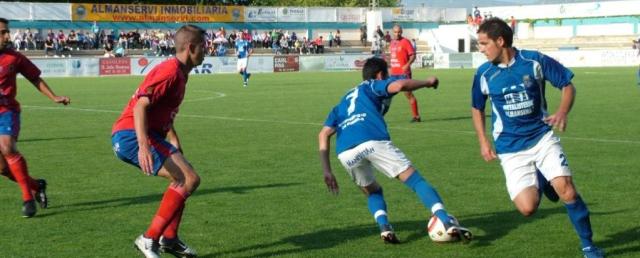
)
(304, 46)
(108, 50)
(387, 39)
(319, 45)
(414, 44)
(636, 46)
(72, 40)
(379, 32)
(337, 38)
(476, 13)
(363, 34)
(18, 40)
(513, 23)
(29, 39)
(221, 50)
(49, 46)
(330, 39)
(376, 49)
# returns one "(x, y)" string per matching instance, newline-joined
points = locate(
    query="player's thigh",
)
(388, 159)
(9, 131)
(550, 158)
(125, 146)
(357, 166)
(178, 168)
(519, 171)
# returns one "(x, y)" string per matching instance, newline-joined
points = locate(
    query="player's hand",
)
(62, 99)
(145, 158)
(433, 82)
(331, 182)
(488, 154)
(557, 120)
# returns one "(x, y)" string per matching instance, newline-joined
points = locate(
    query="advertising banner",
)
(260, 14)
(156, 13)
(115, 66)
(67, 67)
(406, 14)
(355, 15)
(322, 14)
(286, 63)
(345, 62)
(292, 14)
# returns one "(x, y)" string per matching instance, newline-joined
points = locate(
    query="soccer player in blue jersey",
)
(529, 152)
(363, 142)
(243, 50)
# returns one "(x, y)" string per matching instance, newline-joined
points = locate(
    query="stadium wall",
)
(72, 67)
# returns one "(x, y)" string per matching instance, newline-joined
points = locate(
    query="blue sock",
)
(579, 216)
(378, 208)
(542, 183)
(244, 76)
(428, 196)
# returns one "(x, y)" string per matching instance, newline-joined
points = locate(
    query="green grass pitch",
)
(262, 192)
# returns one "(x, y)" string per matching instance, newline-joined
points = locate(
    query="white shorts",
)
(520, 167)
(383, 155)
(242, 63)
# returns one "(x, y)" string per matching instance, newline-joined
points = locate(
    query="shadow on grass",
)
(497, 225)
(27, 140)
(629, 236)
(151, 198)
(322, 239)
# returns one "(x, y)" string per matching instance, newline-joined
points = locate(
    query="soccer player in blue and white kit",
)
(529, 152)
(363, 142)
(243, 50)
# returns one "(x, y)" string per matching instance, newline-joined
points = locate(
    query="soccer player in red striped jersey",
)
(402, 56)
(144, 136)
(12, 163)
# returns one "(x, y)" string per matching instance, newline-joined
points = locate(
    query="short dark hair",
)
(496, 28)
(5, 21)
(188, 34)
(373, 66)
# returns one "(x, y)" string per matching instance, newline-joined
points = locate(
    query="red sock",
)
(171, 232)
(414, 107)
(18, 168)
(172, 200)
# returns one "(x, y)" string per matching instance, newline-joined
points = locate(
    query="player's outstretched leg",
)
(147, 246)
(432, 201)
(413, 103)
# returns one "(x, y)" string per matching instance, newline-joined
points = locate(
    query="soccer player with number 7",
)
(363, 142)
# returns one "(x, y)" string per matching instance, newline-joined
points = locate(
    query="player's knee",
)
(565, 189)
(528, 210)
(192, 180)
(7, 150)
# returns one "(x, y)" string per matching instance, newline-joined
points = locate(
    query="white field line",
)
(306, 123)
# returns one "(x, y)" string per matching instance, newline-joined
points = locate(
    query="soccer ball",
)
(438, 232)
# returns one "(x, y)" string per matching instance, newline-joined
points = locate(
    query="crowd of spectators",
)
(116, 43)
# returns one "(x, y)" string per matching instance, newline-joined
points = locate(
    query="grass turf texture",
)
(262, 192)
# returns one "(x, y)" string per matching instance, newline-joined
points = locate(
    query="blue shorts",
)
(125, 146)
(10, 123)
(400, 77)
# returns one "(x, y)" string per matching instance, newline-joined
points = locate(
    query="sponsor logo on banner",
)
(286, 63)
(405, 14)
(345, 62)
(296, 14)
(155, 13)
(115, 66)
(261, 14)
(350, 15)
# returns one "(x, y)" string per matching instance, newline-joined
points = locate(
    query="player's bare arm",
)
(140, 121)
(559, 119)
(43, 87)
(410, 85)
(488, 154)
(324, 138)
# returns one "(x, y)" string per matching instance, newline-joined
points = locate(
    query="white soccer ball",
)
(438, 232)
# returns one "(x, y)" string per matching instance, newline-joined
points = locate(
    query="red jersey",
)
(168, 83)
(12, 63)
(400, 51)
